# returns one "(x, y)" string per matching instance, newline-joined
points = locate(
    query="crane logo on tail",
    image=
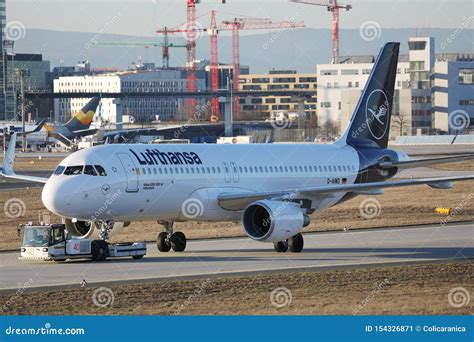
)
(377, 113)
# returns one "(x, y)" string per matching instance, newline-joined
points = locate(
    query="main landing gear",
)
(168, 239)
(294, 244)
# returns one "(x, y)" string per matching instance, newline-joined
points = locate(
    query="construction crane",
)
(214, 65)
(242, 23)
(334, 7)
(165, 45)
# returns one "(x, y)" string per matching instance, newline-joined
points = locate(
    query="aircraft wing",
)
(238, 201)
(7, 166)
(426, 162)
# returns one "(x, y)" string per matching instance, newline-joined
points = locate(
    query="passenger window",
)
(213, 169)
(261, 169)
(266, 169)
(320, 169)
(208, 170)
(73, 170)
(100, 170)
(305, 169)
(218, 170)
(160, 171)
(89, 170)
(245, 169)
(144, 171)
(59, 170)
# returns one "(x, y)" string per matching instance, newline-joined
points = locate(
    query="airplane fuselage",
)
(153, 182)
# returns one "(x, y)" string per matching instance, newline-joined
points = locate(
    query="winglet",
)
(7, 165)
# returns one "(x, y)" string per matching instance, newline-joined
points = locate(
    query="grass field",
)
(400, 290)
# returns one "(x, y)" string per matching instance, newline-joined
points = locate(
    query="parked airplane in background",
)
(270, 188)
(78, 126)
(7, 128)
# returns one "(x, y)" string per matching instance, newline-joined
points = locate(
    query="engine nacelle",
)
(272, 221)
(91, 230)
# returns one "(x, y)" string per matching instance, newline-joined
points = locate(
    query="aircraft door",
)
(131, 172)
(235, 172)
(226, 168)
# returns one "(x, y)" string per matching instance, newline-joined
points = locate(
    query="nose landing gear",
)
(168, 239)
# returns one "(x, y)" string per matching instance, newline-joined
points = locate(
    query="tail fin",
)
(370, 123)
(83, 119)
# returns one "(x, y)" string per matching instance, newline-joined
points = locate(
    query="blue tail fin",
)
(370, 123)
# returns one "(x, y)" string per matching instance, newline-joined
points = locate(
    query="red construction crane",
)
(333, 7)
(238, 24)
(191, 43)
(214, 65)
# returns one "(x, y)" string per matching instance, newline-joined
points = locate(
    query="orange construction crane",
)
(332, 6)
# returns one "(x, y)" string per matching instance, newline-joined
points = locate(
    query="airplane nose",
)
(53, 198)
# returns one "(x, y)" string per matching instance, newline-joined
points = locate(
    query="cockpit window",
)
(73, 170)
(89, 170)
(100, 170)
(59, 170)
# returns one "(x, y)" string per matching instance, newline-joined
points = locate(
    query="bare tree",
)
(401, 121)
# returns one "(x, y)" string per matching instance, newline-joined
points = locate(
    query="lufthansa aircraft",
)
(270, 188)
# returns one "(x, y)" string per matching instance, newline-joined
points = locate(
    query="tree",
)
(401, 121)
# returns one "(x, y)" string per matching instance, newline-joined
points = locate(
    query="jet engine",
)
(91, 230)
(273, 221)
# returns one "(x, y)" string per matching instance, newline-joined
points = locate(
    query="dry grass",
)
(25, 164)
(401, 290)
(398, 207)
(461, 166)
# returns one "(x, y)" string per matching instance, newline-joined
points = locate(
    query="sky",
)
(144, 17)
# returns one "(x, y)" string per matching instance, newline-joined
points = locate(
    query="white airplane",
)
(270, 188)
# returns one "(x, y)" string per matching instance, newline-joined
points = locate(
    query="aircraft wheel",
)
(178, 242)
(162, 242)
(137, 257)
(296, 243)
(280, 246)
(99, 250)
